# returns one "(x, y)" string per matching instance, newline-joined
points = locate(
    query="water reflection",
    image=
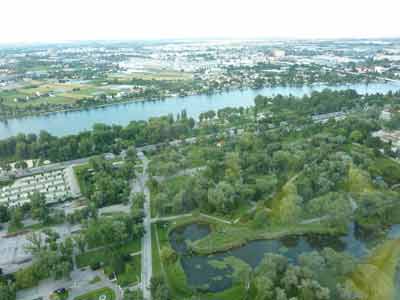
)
(202, 275)
(65, 123)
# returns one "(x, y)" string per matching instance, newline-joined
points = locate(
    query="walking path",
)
(147, 267)
(171, 218)
(215, 219)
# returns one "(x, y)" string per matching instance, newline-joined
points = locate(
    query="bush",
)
(95, 265)
(168, 255)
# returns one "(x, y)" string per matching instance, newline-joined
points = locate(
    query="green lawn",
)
(102, 255)
(132, 272)
(224, 237)
(359, 181)
(95, 295)
(154, 251)
(63, 93)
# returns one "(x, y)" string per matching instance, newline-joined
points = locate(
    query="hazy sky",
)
(55, 20)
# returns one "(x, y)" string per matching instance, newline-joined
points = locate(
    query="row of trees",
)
(102, 138)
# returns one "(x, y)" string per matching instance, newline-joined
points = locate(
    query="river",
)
(64, 123)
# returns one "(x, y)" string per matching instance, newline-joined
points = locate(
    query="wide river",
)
(65, 123)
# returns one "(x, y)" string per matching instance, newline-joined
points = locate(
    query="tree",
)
(168, 255)
(106, 231)
(232, 167)
(80, 242)
(39, 208)
(7, 291)
(36, 244)
(261, 219)
(21, 164)
(131, 155)
(133, 295)
(223, 197)
(4, 214)
(356, 136)
(16, 219)
(159, 289)
(265, 186)
(26, 278)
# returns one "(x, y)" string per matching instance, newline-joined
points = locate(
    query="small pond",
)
(202, 275)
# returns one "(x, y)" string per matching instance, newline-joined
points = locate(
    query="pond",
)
(201, 273)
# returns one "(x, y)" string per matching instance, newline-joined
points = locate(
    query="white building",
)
(392, 137)
(323, 118)
(55, 185)
(386, 115)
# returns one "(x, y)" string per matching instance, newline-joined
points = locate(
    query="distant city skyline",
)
(73, 20)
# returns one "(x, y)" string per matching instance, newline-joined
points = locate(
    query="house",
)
(323, 118)
(385, 115)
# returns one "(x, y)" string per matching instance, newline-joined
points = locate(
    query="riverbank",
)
(74, 109)
(141, 110)
(100, 104)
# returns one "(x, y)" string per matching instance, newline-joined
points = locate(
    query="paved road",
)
(48, 168)
(147, 266)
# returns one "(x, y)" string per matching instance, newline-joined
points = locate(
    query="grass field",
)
(155, 74)
(63, 93)
(224, 237)
(132, 272)
(359, 181)
(283, 206)
(94, 295)
(375, 278)
(102, 255)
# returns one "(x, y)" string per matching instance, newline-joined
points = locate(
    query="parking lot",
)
(12, 249)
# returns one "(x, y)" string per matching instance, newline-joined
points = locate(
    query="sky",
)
(62, 20)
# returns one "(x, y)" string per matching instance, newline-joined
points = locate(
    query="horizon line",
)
(220, 38)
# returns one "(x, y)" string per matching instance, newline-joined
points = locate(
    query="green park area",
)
(100, 294)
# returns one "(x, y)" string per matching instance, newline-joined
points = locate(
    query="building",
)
(56, 185)
(323, 118)
(392, 137)
(277, 53)
(386, 115)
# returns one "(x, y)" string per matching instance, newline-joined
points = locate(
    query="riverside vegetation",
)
(268, 203)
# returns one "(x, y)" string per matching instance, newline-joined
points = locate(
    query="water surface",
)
(64, 123)
(201, 274)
